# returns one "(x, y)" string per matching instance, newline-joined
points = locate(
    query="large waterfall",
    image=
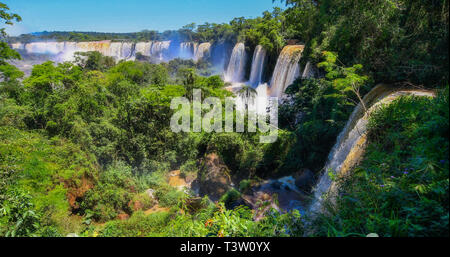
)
(201, 51)
(236, 67)
(118, 50)
(100, 46)
(308, 71)
(286, 70)
(115, 50)
(41, 47)
(186, 50)
(144, 48)
(159, 49)
(258, 62)
(18, 46)
(351, 142)
(128, 51)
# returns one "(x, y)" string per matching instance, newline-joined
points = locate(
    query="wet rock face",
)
(214, 179)
(305, 180)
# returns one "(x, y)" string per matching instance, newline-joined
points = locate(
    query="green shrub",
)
(169, 197)
(230, 196)
(112, 194)
(245, 185)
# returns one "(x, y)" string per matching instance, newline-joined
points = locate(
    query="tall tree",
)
(6, 17)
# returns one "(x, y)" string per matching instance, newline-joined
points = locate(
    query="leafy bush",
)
(169, 197)
(112, 194)
(229, 197)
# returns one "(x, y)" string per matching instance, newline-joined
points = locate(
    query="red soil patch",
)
(123, 216)
(77, 190)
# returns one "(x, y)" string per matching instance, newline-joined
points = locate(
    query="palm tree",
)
(247, 92)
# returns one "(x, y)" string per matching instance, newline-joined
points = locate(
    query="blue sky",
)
(127, 15)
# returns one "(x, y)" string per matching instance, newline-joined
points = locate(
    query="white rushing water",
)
(236, 67)
(127, 51)
(351, 141)
(144, 48)
(42, 48)
(286, 70)
(202, 51)
(258, 62)
(115, 50)
(18, 46)
(159, 49)
(186, 50)
(308, 72)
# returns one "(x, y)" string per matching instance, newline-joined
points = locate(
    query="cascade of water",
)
(159, 49)
(258, 62)
(236, 67)
(202, 51)
(286, 70)
(70, 46)
(351, 142)
(144, 48)
(219, 56)
(68, 53)
(99, 46)
(42, 48)
(308, 72)
(82, 46)
(115, 50)
(262, 99)
(128, 51)
(186, 50)
(18, 46)
(60, 46)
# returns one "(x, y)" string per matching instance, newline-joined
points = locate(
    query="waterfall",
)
(186, 50)
(18, 46)
(258, 62)
(128, 51)
(218, 56)
(42, 48)
(118, 50)
(202, 51)
(159, 49)
(351, 142)
(262, 99)
(68, 53)
(99, 46)
(60, 46)
(308, 72)
(115, 50)
(236, 67)
(144, 48)
(286, 70)
(70, 46)
(83, 46)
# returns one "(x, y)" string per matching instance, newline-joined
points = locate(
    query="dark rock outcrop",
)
(305, 180)
(214, 177)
